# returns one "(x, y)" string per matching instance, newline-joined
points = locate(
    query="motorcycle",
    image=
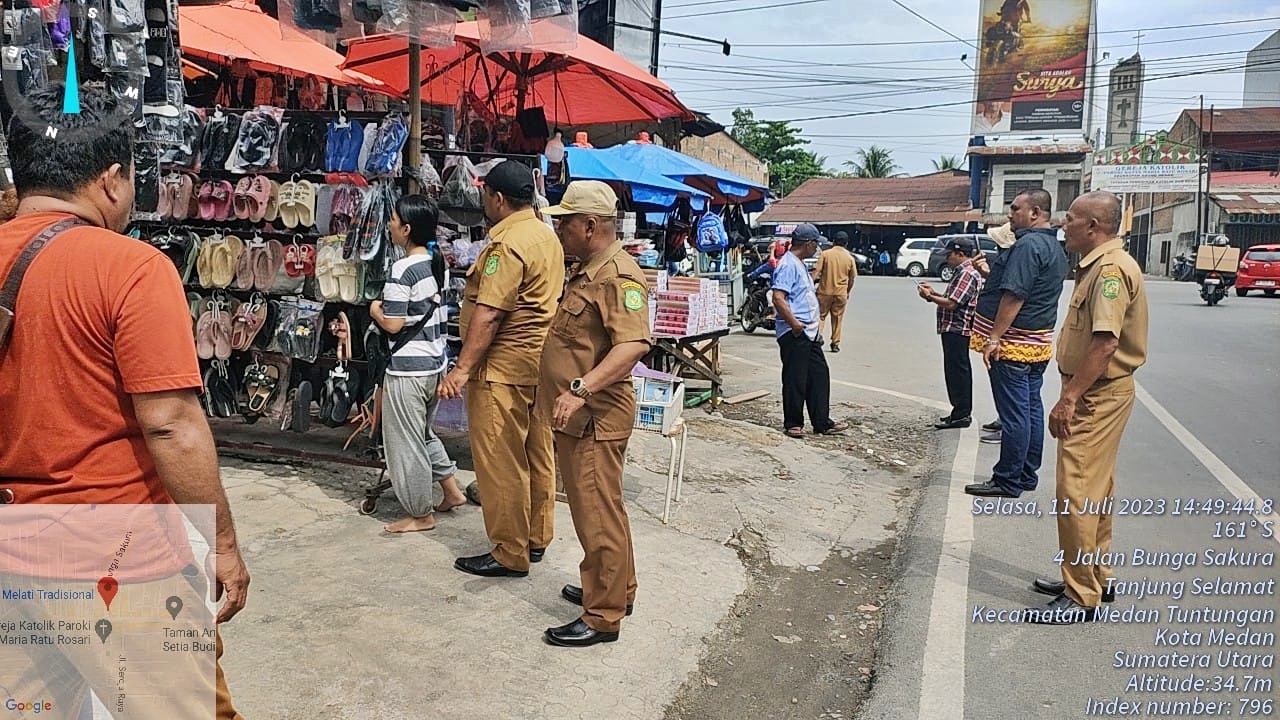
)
(1184, 268)
(1214, 286)
(757, 309)
(1002, 40)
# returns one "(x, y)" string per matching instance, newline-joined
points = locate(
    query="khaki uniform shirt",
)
(605, 303)
(521, 271)
(1109, 297)
(835, 270)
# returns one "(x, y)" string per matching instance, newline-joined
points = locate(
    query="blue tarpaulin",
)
(725, 187)
(647, 188)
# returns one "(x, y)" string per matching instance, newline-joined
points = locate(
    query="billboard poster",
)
(1033, 66)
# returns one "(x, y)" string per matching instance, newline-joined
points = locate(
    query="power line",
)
(811, 80)
(902, 5)
(947, 42)
(745, 9)
(970, 102)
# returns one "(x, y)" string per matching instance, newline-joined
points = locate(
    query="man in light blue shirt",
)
(806, 379)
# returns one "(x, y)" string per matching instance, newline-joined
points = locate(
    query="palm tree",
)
(947, 162)
(874, 162)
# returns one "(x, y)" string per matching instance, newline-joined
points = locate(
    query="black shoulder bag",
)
(13, 283)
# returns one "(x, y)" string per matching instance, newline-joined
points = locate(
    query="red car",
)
(1259, 270)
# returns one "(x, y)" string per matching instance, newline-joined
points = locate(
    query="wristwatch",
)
(579, 388)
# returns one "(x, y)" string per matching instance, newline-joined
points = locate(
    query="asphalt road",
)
(1204, 427)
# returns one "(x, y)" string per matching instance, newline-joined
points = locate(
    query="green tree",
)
(947, 162)
(778, 143)
(873, 162)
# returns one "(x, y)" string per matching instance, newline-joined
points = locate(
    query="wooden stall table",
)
(694, 356)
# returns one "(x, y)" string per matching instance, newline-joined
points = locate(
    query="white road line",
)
(1212, 463)
(942, 671)
(883, 391)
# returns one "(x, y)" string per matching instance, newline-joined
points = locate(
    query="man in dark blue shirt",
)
(1013, 329)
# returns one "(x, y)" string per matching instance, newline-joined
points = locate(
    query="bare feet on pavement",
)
(411, 524)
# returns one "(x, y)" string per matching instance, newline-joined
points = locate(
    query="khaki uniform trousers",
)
(515, 469)
(1087, 472)
(592, 473)
(834, 306)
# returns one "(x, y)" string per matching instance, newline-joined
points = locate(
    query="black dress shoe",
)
(1057, 587)
(1062, 610)
(949, 424)
(577, 634)
(993, 426)
(988, 489)
(485, 566)
(535, 554)
(573, 594)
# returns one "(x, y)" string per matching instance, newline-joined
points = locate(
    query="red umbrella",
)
(240, 30)
(588, 85)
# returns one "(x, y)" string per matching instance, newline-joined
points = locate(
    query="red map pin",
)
(107, 588)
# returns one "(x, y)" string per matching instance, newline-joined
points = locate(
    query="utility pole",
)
(657, 38)
(1208, 173)
(1200, 176)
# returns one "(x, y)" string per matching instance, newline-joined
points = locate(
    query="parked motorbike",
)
(756, 310)
(1184, 268)
(1214, 286)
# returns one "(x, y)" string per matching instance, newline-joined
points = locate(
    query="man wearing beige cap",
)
(599, 333)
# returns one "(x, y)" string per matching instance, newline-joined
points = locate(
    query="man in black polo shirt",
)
(1013, 329)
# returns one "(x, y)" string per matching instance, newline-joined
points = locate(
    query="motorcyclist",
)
(1015, 12)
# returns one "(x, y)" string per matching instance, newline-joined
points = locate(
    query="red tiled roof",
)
(930, 200)
(1238, 120)
(1037, 149)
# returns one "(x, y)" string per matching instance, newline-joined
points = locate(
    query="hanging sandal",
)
(260, 383)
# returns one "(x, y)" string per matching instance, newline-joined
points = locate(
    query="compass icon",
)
(38, 50)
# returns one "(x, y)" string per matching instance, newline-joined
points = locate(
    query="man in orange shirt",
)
(99, 377)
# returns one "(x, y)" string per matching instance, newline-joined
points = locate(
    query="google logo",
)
(34, 707)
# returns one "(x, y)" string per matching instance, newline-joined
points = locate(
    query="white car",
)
(913, 256)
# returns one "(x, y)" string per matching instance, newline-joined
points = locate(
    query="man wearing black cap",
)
(955, 325)
(806, 379)
(509, 302)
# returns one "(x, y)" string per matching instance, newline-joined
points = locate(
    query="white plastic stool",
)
(677, 435)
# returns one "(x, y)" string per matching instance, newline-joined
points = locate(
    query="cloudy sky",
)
(795, 59)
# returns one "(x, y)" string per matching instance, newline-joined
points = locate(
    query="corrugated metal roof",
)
(1238, 120)
(929, 200)
(1252, 203)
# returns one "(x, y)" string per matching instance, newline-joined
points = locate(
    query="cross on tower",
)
(1139, 37)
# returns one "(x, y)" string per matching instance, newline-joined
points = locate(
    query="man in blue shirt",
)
(806, 379)
(1013, 329)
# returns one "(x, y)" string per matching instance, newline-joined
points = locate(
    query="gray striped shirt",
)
(411, 293)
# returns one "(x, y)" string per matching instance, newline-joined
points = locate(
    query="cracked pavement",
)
(365, 624)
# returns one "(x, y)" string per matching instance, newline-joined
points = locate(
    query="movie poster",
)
(1032, 66)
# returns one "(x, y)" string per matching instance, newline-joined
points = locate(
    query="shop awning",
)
(723, 186)
(238, 30)
(588, 85)
(646, 188)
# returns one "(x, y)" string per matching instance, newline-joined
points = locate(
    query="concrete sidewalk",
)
(345, 621)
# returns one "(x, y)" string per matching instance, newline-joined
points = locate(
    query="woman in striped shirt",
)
(412, 313)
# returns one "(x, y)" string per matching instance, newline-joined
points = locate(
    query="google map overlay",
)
(105, 612)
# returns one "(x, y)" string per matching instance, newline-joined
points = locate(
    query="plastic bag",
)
(513, 25)
(430, 23)
(427, 177)
(460, 190)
